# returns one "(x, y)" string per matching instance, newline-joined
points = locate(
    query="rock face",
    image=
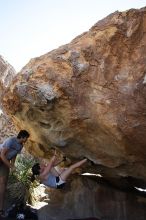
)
(6, 127)
(87, 98)
(7, 72)
(78, 201)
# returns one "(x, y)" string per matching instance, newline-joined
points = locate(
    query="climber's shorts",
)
(4, 170)
(59, 182)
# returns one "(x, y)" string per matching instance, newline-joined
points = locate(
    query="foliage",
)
(23, 165)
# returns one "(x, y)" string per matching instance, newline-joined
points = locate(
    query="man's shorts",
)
(4, 170)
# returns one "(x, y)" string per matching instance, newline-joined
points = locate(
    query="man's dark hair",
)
(23, 134)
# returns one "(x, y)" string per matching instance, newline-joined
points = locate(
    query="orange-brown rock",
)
(87, 98)
(6, 127)
(7, 72)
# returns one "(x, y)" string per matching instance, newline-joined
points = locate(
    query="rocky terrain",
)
(87, 98)
(7, 72)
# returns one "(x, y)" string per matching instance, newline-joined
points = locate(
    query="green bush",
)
(23, 165)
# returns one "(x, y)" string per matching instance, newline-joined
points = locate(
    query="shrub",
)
(23, 164)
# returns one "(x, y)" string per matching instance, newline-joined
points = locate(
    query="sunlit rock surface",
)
(84, 198)
(87, 98)
(7, 72)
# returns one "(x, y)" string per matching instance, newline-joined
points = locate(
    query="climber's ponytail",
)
(35, 171)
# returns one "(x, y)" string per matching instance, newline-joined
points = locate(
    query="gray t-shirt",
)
(13, 145)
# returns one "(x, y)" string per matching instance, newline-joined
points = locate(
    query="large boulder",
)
(87, 98)
(7, 128)
(7, 72)
(84, 198)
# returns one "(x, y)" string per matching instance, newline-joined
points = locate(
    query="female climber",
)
(49, 176)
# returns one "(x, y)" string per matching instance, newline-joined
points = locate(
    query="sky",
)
(31, 28)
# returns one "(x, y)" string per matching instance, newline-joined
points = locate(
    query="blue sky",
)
(30, 28)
